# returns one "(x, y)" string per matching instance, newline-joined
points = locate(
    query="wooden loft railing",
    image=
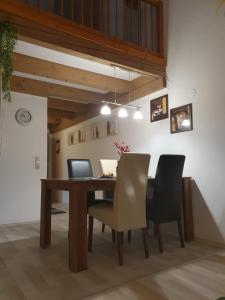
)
(139, 22)
(131, 36)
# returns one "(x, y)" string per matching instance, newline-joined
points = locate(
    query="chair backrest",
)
(130, 191)
(167, 193)
(79, 168)
(108, 166)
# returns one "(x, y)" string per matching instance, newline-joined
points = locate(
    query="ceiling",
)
(74, 86)
(71, 61)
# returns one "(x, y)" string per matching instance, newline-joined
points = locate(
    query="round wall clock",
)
(23, 116)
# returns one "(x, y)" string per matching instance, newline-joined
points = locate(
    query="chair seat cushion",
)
(104, 213)
(93, 202)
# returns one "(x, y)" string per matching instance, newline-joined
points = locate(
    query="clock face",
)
(23, 116)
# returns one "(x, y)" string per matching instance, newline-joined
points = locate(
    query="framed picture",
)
(181, 119)
(88, 137)
(95, 132)
(82, 135)
(159, 108)
(71, 138)
(112, 126)
(57, 146)
(76, 137)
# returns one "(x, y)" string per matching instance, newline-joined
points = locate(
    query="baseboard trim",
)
(20, 223)
(219, 245)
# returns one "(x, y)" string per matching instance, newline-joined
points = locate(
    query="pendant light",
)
(122, 113)
(105, 110)
(123, 108)
(138, 114)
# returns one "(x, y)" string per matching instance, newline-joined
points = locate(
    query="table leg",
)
(187, 210)
(78, 229)
(45, 224)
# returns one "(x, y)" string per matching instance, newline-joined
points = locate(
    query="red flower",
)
(121, 148)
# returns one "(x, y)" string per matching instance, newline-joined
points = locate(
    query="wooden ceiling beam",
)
(140, 87)
(93, 111)
(45, 27)
(61, 113)
(53, 121)
(39, 67)
(45, 89)
(66, 105)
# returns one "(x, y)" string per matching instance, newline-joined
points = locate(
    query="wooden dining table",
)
(78, 189)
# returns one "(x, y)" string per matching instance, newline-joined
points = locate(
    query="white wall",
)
(20, 188)
(196, 73)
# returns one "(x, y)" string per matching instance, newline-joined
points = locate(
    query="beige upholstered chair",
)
(108, 166)
(128, 210)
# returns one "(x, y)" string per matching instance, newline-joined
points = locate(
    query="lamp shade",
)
(105, 110)
(138, 115)
(122, 113)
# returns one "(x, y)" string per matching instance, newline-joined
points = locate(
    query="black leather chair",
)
(165, 205)
(78, 168)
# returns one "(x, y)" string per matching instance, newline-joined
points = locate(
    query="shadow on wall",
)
(205, 226)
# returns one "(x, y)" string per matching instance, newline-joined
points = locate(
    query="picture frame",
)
(82, 135)
(112, 126)
(181, 119)
(57, 146)
(159, 108)
(71, 138)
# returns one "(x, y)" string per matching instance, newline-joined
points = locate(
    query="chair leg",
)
(158, 234)
(103, 227)
(113, 236)
(90, 232)
(145, 233)
(119, 247)
(129, 236)
(148, 223)
(180, 234)
(122, 238)
(155, 230)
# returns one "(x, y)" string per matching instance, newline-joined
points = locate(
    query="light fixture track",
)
(120, 104)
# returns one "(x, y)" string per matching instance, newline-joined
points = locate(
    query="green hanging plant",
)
(8, 38)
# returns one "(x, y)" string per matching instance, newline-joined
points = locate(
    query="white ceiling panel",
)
(71, 61)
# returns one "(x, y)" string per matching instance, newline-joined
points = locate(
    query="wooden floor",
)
(28, 272)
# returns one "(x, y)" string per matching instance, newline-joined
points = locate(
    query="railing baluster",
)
(160, 28)
(152, 31)
(124, 19)
(91, 12)
(81, 12)
(145, 12)
(50, 6)
(100, 16)
(62, 8)
(137, 21)
(116, 18)
(108, 16)
(72, 9)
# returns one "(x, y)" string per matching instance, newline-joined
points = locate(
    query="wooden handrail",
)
(139, 22)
